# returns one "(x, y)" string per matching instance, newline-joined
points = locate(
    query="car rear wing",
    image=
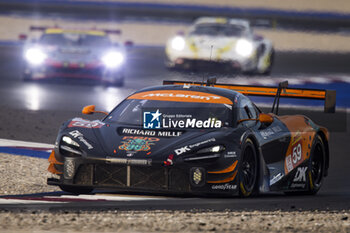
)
(38, 28)
(107, 31)
(329, 96)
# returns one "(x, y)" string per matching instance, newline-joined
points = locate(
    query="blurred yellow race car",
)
(221, 40)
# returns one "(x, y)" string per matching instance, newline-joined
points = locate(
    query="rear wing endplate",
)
(329, 96)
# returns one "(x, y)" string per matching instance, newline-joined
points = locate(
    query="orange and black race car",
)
(185, 137)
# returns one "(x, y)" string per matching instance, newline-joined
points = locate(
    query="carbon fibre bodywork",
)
(182, 160)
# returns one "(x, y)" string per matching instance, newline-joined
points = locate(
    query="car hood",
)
(215, 42)
(73, 53)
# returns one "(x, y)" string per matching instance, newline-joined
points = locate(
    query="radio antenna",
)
(211, 51)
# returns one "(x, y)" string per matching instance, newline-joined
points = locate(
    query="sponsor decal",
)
(169, 161)
(224, 187)
(130, 153)
(157, 120)
(147, 162)
(289, 163)
(300, 175)
(269, 132)
(276, 178)
(185, 149)
(134, 143)
(79, 122)
(152, 120)
(295, 157)
(197, 176)
(80, 136)
(230, 154)
(181, 96)
(150, 133)
(296, 150)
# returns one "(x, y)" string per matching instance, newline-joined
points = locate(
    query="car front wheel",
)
(248, 170)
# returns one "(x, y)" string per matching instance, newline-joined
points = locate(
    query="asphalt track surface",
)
(33, 111)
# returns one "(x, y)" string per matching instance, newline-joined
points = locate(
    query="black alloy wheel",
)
(248, 172)
(317, 166)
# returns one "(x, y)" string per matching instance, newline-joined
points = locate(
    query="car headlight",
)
(213, 149)
(70, 147)
(69, 141)
(178, 43)
(35, 56)
(244, 47)
(113, 59)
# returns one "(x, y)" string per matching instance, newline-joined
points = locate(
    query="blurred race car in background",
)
(74, 53)
(221, 40)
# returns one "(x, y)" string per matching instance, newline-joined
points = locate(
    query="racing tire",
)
(317, 166)
(76, 190)
(248, 170)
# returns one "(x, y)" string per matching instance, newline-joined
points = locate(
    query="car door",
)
(273, 139)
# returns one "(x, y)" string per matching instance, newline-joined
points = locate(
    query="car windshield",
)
(74, 39)
(136, 112)
(213, 29)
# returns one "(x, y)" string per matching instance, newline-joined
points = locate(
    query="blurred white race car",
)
(221, 40)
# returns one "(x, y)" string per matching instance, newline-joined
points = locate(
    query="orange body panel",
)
(52, 160)
(229, 179)
(302, 136)
(226, 170)
(181, 96)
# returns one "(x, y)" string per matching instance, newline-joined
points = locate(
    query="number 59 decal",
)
(293, 159)
(297, 153)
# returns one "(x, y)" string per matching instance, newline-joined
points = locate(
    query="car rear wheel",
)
(317, 166)
(76, 190)
(248, 171)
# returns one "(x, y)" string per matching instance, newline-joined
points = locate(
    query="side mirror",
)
(90, 109)
(22, 37)
(265, 118)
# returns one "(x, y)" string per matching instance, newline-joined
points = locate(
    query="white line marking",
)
(17, 143)
(20, 201)
(111, 197)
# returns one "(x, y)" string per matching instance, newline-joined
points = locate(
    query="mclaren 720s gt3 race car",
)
(188, 138)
